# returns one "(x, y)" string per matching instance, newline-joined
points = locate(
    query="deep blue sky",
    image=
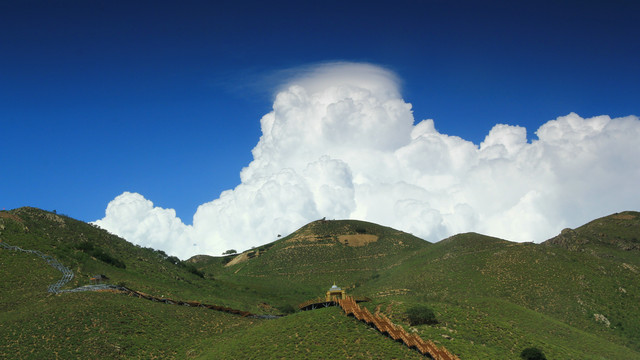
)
(164, 98)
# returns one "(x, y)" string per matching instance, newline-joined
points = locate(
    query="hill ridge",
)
(492, 298)
(620, 230)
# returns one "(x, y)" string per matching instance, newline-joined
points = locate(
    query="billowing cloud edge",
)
(340, 142)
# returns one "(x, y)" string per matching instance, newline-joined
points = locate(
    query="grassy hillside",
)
(576, 296)
(320, 334)
(616, 235)
(88, 250)
(506, 296)
(304, 264)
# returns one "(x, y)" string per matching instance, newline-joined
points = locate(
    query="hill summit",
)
(333, 243)
(620, 230)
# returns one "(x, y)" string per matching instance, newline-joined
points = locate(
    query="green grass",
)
(99, 325)
(305, 264)
(492, 297)
(92, 325)
(319, 334)
(468, 274)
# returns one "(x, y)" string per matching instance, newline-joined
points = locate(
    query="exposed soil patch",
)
(7, 215)
(55, 218)
(198, 258)
(630, 267)
(357, 240)
(307, 237)
(305, 245)
(238, 259)
(392, 292)
(624, 217)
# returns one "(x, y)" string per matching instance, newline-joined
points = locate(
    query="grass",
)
(92, 325)
(320, 334)
(303, 265)
(492, 298)
(98, 325)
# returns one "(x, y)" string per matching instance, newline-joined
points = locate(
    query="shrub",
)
(532, 354)
(420, 314)
(85, 246)
(104, 257)
(174, 260)
(229, 252)
(99, 254)
(192, 269)
(287, 309)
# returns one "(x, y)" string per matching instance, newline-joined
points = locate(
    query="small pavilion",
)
(331, 298)
(335, 293)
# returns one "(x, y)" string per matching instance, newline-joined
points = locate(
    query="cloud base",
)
(340, 142)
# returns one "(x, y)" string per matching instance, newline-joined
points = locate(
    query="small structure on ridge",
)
(98, 279)
(331, 298)
(335, 294)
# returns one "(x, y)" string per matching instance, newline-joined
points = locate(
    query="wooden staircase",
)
(398, 333)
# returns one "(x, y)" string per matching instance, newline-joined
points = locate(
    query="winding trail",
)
(348, 305)
(67, 275)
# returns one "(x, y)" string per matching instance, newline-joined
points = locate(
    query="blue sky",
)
(164, 98)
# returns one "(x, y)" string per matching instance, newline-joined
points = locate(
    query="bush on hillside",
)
(287, 309)
(192, 269)
(174, 260)
(420, 315)
(532, 354)
(106, 258)
(85, 246)
(93, 251)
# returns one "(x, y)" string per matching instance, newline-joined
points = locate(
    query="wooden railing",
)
(398, 333)
(322, 301)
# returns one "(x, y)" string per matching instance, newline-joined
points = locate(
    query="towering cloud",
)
(340, 142)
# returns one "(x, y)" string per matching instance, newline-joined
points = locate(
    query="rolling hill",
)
(575, 296)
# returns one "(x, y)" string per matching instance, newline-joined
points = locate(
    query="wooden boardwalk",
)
(322, 302)
(398, 333)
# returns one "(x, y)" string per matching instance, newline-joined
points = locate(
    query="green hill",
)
(302, 265)
(576, 296)
(508, 296)
(607, 235)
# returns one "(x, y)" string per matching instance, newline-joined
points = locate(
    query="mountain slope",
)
(522, 295)
(621, 230)
(304, 264)
(88, 250)
(492, 297)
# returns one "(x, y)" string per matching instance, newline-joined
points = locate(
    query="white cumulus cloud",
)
(341, 142)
